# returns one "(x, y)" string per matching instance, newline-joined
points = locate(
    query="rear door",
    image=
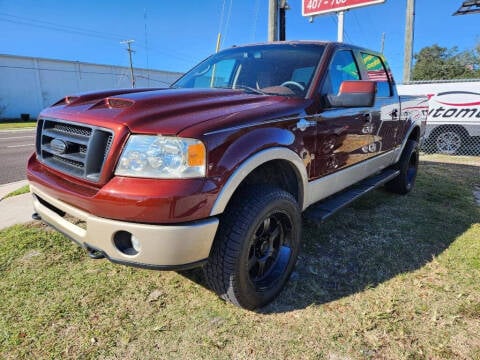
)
(386, 113)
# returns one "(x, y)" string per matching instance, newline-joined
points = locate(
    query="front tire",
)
(256, 247)
(408, 166)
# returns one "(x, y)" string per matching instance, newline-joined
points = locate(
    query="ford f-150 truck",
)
(216, 170)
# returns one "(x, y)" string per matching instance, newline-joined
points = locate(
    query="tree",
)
(440, 63)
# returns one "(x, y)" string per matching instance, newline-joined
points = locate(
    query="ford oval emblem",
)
(58, 146)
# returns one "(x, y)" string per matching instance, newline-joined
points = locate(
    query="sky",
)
(175, 35)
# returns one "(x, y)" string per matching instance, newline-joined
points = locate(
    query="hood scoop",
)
(102, 97)
(113, 103)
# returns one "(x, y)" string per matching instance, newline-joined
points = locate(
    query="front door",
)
(344, 135)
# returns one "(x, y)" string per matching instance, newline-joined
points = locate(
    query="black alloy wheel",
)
(256, 246)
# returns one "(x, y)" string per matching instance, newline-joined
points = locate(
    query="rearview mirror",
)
(354, 93)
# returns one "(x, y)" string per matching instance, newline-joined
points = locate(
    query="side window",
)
(342, 67)
(377, 72)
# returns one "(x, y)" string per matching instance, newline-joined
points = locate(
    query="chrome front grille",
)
(75, 149)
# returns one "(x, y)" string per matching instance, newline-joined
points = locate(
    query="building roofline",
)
(87, 63)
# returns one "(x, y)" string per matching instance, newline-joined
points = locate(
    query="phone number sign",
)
(318, 7)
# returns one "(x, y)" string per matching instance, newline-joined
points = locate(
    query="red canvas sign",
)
(318, 7)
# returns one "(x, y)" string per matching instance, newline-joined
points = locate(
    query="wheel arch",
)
(290, 175)
(414, 133)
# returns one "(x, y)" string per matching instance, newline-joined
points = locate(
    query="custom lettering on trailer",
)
(455, 104)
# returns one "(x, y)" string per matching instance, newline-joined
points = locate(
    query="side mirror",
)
(354, 93)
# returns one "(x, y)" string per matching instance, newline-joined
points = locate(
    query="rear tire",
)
(256, 247)
(408, 166)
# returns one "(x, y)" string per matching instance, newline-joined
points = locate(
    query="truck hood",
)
(165, 111)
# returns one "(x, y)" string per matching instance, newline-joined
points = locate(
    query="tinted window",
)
(342, 67)
(285, 69)
(377, 72)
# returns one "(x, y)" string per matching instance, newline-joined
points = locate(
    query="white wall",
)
(27, 84)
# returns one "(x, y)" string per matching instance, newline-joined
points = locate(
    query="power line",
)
(227, 22)
(154, 80)
(83, 32)
(222, 14)
(57, 27)
(335, 21)
(360, 28)
(146, 45)
(256, 10)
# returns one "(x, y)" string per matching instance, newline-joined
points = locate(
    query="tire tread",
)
(234, 224)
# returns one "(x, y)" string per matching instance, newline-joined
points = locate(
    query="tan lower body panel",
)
(159, 245)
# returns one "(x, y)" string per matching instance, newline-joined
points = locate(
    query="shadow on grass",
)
(379, 237)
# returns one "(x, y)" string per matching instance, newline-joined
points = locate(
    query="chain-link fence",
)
(452, 139)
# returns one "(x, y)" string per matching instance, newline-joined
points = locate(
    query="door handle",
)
(303, 124)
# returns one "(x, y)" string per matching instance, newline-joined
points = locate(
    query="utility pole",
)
(277, 20)
(130, 51)
(383, 43)
(407, 60)
(283, 19)
(341, 20)
(273, 20)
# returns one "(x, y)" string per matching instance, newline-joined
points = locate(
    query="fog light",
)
(126, 243)
(136, 244)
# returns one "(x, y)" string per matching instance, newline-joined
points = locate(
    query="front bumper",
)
(157, 246)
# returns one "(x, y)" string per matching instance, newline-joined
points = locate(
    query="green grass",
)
(389, 277)
(449, 159)
(23, 190)
(17, 125)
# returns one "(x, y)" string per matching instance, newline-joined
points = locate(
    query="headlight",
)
(156, 156)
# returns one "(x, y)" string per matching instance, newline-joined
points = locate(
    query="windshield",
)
(280, 69)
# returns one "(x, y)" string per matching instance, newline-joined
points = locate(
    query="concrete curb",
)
(6, 189)
(17, 209)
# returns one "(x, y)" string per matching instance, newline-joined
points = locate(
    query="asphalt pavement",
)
(16, 146)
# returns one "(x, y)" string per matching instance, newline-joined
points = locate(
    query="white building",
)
(28, 84)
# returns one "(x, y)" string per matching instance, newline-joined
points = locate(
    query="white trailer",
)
(453, 121)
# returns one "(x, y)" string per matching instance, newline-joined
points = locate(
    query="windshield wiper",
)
(250, 89)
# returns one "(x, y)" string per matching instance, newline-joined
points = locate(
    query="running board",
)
(325, 208)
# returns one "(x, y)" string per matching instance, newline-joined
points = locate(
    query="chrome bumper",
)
(154, 246)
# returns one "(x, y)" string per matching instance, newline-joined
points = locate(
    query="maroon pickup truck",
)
(216, 170)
